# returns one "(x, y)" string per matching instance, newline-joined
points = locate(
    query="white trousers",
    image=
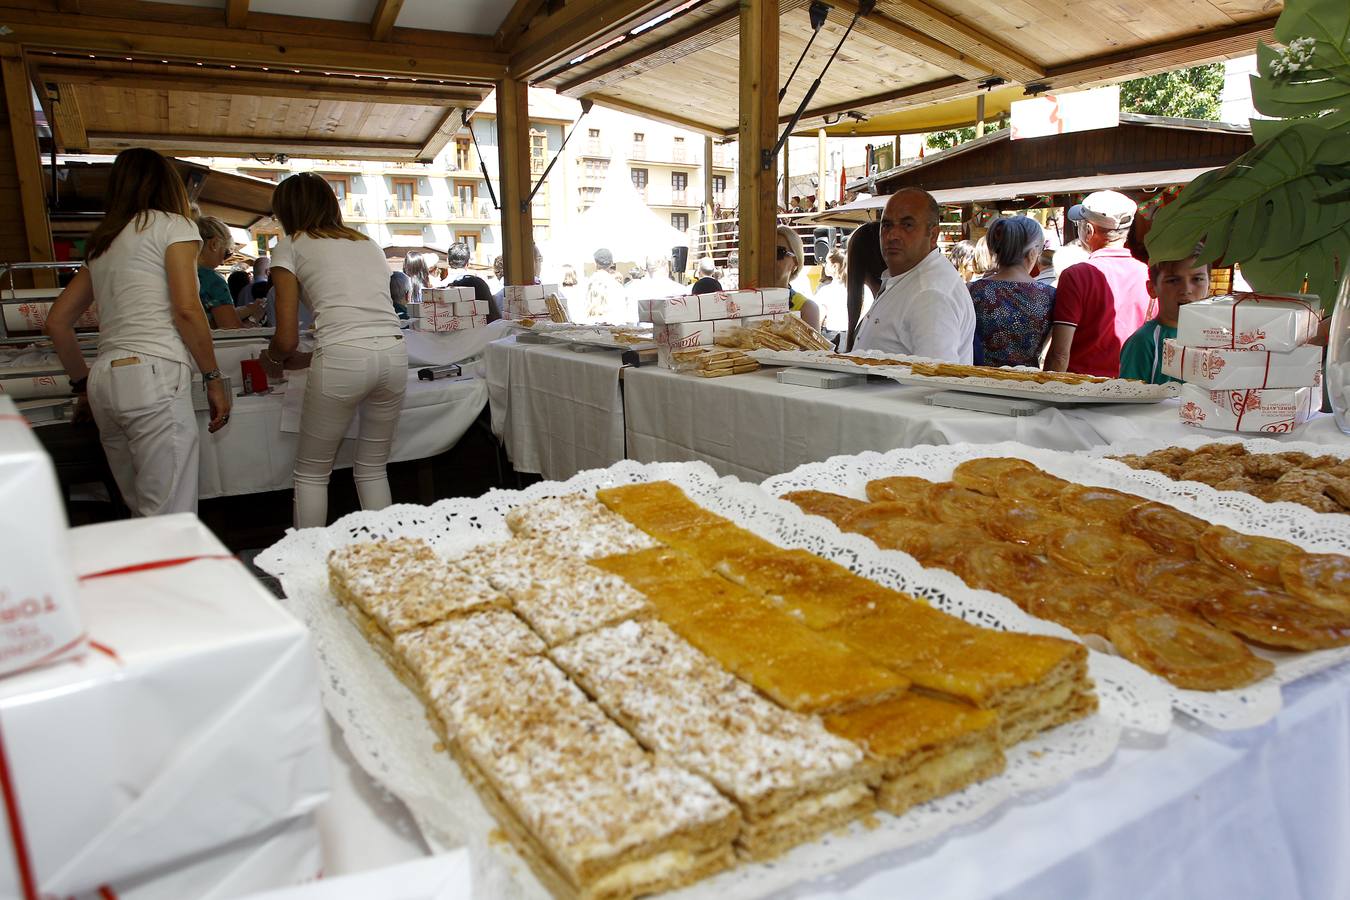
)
(148, 430)
(370, 376)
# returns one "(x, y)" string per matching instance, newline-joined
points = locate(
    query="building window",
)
(405, 190)
(466, 196)
(719, 184)
(471, 239)
(639, 179)
(639, 137)
(340, 184)
(679, 221)
(679, 181)
(538, 151)
(639, 150)
(593, 134)
(462, 161)
(680, 151)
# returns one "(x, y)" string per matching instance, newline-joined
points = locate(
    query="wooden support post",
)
(709, 202)
(757, 132)
(820, 170)
(979, 116)
(26, 203)
(787, 175)
(513, 160)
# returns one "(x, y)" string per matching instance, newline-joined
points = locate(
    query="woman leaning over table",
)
(141, 266)
(360, 362)
(217, 244)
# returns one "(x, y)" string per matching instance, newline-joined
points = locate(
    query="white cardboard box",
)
(194, 722)
(707, 307)
(1216, 368)
(283, 856)
(447, 295)
(1273, 410)
(1279, 322)
(469, 308)
(39, 617)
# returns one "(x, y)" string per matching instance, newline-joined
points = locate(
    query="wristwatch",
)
(79, 385)
(213, 375)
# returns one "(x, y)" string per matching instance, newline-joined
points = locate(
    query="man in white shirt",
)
(924, 308)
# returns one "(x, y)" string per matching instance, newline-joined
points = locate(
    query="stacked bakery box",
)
(535, 301)
(695, 320)
(448, 309)
(161, 731)
(1247, 362)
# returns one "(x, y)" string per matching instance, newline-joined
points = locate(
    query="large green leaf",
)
(1265, 211)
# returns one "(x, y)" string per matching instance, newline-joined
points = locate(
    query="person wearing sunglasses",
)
(787, 266)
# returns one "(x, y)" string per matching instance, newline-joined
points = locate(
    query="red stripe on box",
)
(10, 417)
(106, 893)
(106, 651)
(65, 648)
(27, 880)
(157, 564)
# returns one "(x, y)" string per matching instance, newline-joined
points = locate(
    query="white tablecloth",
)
(252, 454)
(557, 411)
(431, 348)
(752, 427)
(1248, 815)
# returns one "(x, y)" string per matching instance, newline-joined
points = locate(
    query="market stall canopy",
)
(620, 221)
(948, 114)
(907, 53)
(869, 208)
(239, 201)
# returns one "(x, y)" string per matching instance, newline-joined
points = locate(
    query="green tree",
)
(1186, 93)
(941, 140)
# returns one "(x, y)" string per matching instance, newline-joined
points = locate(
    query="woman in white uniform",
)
(360, 362)
(141, 267)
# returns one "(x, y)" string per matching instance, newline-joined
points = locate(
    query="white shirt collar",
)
(890, 279)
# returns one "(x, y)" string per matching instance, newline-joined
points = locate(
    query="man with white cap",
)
(1101, 302)
(605, 300)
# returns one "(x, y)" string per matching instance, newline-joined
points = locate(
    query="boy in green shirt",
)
(1173, 283)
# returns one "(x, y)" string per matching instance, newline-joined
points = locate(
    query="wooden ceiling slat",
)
(975, 44)
(576, 27)
(234, 145)
(68, 119)
(382, 23)
(916, 43)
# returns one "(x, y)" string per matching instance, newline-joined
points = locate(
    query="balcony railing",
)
(353, 207)
(475, 208)
(594, 148)
(638, 150)
(407, 209)
(679, 197)
(680, 154)
(642, 191)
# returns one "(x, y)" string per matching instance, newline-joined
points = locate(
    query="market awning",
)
(949, 114)
(867, 209)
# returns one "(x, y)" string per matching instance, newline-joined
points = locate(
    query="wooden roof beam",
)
(516, 21)
(154, 76)
(446, 128)
(675, 46)
(913, 95)
(1191, 50)
(186, 36)
(67, 119)
(978, 47)
(236, 13)
(913, 42)
(576, 28)
(237, 145)
(382, 23)
(660, 115)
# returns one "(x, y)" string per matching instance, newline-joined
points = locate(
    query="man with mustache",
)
(924, 308)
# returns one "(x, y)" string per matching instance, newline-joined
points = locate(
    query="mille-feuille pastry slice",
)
(666, 513)
(816, 591)
(452, 657)
(926, 747)
(559, 596)
(1032, 682)
(389, 587)
(651, 567)
(593, 813)
(798, 668)
(578, 525)
(791, 778)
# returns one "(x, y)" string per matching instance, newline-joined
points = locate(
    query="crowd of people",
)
(1090, 307)
(152, 264)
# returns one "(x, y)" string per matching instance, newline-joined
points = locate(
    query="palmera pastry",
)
(1097, 504)
(1092, 550)
(1186, 651)
(1164, 528)
(1319, 578)
(1027, 523)
(1275, 619)
(1029, 485)
(866, 518)
(898, 487)
(824, 504)
(1249, 555)
(1005, 569)
(1084, 605)
(979, 475)
(958, 506)
(1171, 581)
(931, 543)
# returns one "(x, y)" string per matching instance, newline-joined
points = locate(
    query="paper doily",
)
(386, 729)
(1317, 532)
